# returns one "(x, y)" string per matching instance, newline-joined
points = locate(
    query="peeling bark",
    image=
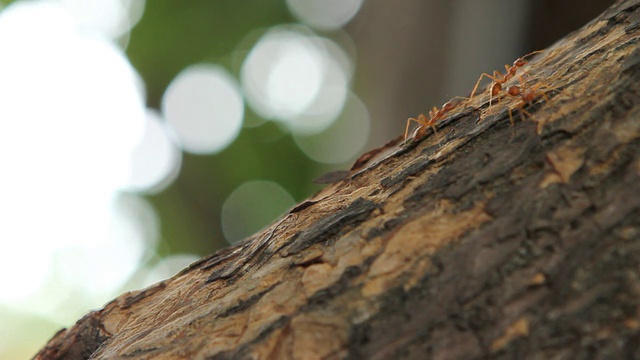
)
(482, 240)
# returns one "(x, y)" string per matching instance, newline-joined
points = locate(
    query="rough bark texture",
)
(482, 240)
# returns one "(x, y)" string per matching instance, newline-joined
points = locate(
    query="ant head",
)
(514, 90)
(520, 62)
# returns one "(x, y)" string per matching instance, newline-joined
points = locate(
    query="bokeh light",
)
(252, 206)
(326, 14)
(67, 136)
(297, 78)
(155, 162)
(71, 114)
(343, 140)
(108, 18)
(204, 107)
(108, 262)
(282, 74)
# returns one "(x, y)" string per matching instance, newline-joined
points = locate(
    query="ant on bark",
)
(527, 96)
(499, 79)
(435, 114)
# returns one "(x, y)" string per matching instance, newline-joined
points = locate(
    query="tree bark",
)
(481, 240)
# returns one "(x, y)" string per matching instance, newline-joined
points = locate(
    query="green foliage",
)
(173, 35)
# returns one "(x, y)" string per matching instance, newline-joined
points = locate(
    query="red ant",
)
(435, 114)
(527, 96)
(499, 79)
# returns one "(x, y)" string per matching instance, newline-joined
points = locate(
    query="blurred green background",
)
(173, 35)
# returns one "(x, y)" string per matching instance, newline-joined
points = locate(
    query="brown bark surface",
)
(482, 240)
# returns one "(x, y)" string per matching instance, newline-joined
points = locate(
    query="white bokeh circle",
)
(204, 107)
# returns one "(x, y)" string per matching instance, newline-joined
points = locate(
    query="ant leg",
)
(522, 114)
(495, 89)
(421, 121)
(490, 89)
(459, 97)
(406, 130)
(432, 113)
(526, 72)
(540, 89)
(538, 85)
(511, 117)
(531, 53)
(452, 103)
(432, 125)
(546, 98)
(545, 89)
(473, 92)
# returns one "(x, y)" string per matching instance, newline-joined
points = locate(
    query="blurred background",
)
(136, 137)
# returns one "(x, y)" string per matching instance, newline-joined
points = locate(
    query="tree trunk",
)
(481, 240)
